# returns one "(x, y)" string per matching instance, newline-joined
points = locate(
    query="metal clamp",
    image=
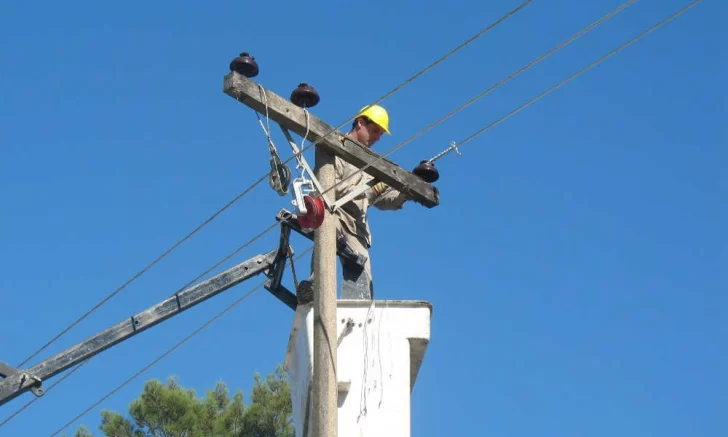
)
(301, 187)
(306, 168)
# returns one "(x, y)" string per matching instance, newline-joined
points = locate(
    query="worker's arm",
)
(386, 198)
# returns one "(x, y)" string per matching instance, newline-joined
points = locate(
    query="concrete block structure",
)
(381, 346)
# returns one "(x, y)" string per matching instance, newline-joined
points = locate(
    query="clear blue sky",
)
(576, 263)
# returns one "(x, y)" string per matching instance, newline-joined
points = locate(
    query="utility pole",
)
(324, 388)
(318, 377)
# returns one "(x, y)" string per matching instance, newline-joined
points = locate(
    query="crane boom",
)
(15, 382)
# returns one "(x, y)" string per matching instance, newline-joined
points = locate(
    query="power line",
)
(489, 90)
(464, 141)
(588, 67)
(429, 67)
(188, 284)
(21, 409)
(450, 53)
(169, 351)
(262, 178)
(141, 272)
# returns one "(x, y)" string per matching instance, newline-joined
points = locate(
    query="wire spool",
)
(314, 216)
(427, 172)
(305, 96)
(245, 65)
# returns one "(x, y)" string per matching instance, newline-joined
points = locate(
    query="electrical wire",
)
(464, 141)
(262, 178)
(418, 74)
(188, 284)
(489, 90)
(169, 351)
(142, 271)
(588, 67)
(21, 409)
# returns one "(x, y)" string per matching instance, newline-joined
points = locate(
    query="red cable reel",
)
(310, 206)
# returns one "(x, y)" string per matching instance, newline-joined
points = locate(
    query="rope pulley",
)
(310, 207)
(305, 96)
(280, 175)
(245, 65)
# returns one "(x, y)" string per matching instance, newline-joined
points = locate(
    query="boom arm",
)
(16, 382)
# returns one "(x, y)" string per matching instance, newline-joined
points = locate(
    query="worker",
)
(352, 224)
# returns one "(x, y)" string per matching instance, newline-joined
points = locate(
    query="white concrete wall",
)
(377, 360)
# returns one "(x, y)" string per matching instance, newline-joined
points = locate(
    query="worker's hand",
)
(378, 189)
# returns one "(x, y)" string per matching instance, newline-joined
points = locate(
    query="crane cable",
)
(170, 350)
(262, 178)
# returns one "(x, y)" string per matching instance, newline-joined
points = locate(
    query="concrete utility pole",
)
(324, 390)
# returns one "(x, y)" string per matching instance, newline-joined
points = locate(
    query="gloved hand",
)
(379, 189)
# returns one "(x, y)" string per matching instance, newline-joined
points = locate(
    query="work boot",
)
(304, 292)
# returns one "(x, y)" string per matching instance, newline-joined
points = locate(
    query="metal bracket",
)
(356, 283)
(302, 161)
(301, 187)
(25, 380)
(275, 273)
(17, 382)
(288, 220)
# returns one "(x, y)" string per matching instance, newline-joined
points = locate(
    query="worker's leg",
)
(304, 291)
(357, 278)
(357, 283)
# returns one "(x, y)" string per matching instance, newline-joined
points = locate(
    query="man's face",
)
(368, 133)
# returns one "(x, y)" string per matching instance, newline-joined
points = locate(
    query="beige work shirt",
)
(353, 215)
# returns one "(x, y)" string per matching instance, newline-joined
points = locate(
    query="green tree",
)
(170, 410)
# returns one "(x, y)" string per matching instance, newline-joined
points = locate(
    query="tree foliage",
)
(170, 410)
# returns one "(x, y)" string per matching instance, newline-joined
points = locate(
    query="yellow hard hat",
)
(377, 114)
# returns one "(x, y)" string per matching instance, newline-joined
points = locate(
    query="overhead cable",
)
(262, 178)
(140, 273)
(583, 70)
(489, 90)
(188, 284)
(169, 351)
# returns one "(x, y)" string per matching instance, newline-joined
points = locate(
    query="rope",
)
(279, 176)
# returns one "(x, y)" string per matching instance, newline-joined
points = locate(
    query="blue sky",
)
(575, 264)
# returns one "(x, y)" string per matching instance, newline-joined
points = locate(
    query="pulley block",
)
(279, 176)
(314, 216)
(305, 96)
(427, 171)
(245, 65)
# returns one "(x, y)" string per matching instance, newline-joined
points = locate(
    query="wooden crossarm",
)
(293, 118)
